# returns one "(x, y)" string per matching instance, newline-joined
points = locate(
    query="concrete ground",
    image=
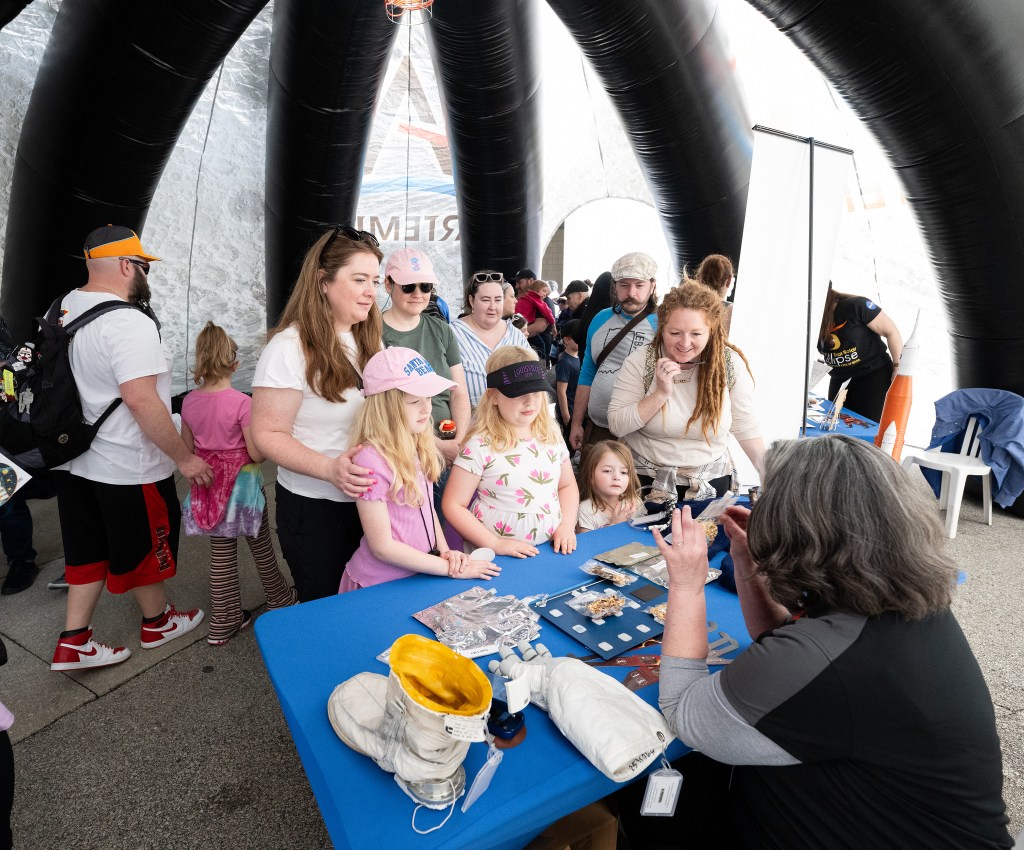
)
(185, 746)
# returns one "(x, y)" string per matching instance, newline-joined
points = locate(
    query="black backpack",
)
(39, 403)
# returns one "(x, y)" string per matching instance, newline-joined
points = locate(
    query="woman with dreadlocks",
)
(677, 399)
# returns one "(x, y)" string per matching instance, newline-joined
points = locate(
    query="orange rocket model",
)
(892, 427)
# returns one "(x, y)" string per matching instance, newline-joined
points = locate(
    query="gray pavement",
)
(185, 746)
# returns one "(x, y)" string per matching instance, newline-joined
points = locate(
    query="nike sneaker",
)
(81, 652)
(172, 624)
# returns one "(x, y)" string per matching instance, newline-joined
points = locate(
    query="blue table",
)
(855, 425)
(309, 649)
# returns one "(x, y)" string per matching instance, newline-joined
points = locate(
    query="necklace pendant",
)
(435, 552)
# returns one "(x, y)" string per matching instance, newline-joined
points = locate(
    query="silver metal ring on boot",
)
(436, 793)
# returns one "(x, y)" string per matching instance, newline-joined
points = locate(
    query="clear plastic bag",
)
(619, 578)
(658, 572)
(597, 604)
(658, 611)
(713, 512)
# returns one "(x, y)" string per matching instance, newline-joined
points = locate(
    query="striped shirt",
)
(475, 353)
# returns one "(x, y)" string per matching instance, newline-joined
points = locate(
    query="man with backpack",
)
(119, 509)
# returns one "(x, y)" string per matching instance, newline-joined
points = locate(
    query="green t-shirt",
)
(436, 342)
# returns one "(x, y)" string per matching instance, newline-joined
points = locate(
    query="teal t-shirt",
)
(436, 342)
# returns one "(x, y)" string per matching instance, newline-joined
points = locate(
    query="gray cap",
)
(635, 266)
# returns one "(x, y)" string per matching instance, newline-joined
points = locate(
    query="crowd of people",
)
(397, 435)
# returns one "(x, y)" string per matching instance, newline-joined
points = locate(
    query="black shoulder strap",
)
(53, 314)
(610, 347)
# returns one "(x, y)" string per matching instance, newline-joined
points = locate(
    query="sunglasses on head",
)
(410, 288)
(488, 277)
(142, 264)
(350, 233)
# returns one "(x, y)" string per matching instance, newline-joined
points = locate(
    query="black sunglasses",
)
(351, 233)
(489, 277)
(410, 288)
(142, 264)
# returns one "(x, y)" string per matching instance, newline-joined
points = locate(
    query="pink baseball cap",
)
(403, 369)
(410, 265)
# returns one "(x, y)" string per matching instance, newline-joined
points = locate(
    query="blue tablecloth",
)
(850, 423)
(309, 649)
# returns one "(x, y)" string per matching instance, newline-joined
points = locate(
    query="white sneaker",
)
(173, 624)
(81, 652)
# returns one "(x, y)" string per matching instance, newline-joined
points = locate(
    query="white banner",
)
(770, 319)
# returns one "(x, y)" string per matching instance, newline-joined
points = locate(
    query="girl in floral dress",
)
(512, 487)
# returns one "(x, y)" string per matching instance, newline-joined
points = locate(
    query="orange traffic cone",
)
(892, 427)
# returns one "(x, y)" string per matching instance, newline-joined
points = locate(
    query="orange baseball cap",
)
(114, 241)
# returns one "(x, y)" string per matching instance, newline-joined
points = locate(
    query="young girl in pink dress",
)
(512, 487)
(401, 531)
(215, 421)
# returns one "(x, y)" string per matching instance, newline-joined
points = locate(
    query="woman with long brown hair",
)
(306, 394)
(850, 341)
(677, 399)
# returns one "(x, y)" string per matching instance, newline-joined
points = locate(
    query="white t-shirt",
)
(321, 425)
(590, 516)
(119, 346)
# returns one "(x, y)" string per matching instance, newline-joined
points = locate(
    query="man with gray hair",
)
(613, 334)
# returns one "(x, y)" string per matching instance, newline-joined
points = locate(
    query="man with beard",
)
(524, 279)
(119, 511)
(613, 334)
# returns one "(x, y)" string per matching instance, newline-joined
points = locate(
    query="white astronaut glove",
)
(535, 666)
(618, 732)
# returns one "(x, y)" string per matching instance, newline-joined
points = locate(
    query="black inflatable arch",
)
(116, 85)
(939, 82)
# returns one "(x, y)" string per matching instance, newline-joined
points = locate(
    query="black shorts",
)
(126, 534)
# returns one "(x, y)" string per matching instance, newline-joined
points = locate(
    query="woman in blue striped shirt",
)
(481, 330)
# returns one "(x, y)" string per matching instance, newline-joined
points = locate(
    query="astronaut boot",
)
(419, 721)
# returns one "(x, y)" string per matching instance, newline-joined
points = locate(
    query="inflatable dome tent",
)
(938, 83)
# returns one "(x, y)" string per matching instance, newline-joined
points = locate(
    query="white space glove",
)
(535, 666)
(618, 732)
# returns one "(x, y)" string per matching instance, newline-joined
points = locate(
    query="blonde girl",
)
(401, 531)
(215, 424)
(610, 489)
(512, 486)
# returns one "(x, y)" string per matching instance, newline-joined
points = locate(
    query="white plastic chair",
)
(955, 469)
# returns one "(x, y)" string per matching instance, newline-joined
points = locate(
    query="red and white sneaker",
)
(81, 652)
(173, 624)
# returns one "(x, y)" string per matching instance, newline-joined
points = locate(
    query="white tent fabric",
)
(771, 313)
